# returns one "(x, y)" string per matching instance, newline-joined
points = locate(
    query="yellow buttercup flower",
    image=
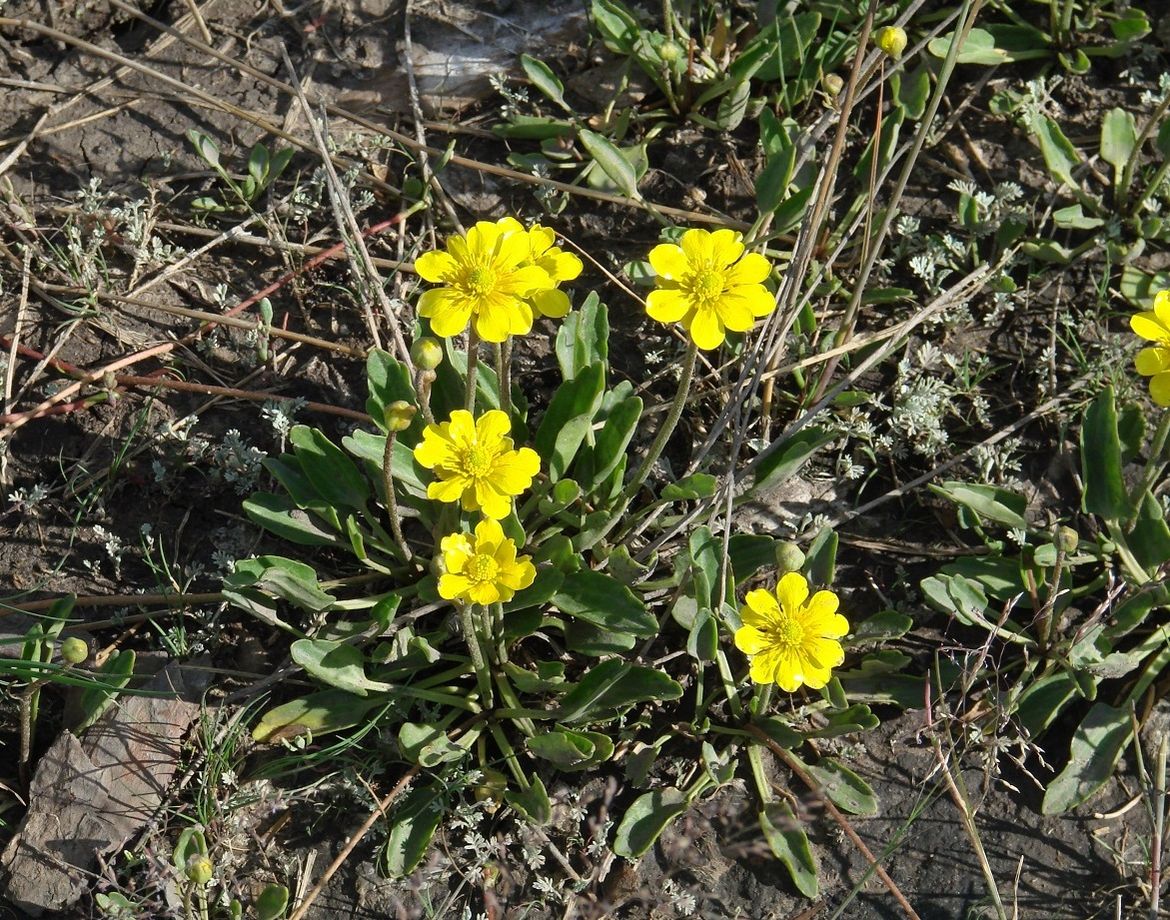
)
(487, 277)
(709, 285)
(790, 637)
(475, 463)
(1154, 361)
(557, 264)
(484, 568)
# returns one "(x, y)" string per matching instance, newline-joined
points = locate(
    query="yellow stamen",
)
(482, 567)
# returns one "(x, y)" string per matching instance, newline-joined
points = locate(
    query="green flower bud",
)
(199, 869)
(670, 52)
(1068, 539)
(892, 40)
(832, 84)
(398, 415)
(74, 650)
(789, 558)
(426, 353)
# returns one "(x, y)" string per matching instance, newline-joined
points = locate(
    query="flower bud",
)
(789, 558)
(892, 40)
(426, 353)
(74, 650)
(199, 869)
(670, 52)
(1068, 539)
(832, 84)
(398, 415)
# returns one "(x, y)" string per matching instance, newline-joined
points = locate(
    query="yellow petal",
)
(561, 265)
(764, 666)
(453, 587)
(519, 576)
(789, 673)
(669, 261)
(448, 490)
(1162, 307)
(457, 552)
(792, 591)
(753, 268)
(750, 640)
(707, 329)
(481, 241)
(667, 305)
(448, 316)
(820, 611)
(510, 225)
(824, 653)
(541, 240)
(461, 428)
(491, 428)
(485, 592)
(525, 280)
(1160, 389)
(435, 266)
(513, 471)
(488, 533)
(757, 298)
(435, 448)
(436, 299)
(494, 323)
(491, 501)
(1152, 361)
(1147, 326)
(725, 248)
(553, 304)
(735, 314)
(697, 246)
(762, 607)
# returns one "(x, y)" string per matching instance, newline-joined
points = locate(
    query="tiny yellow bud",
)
(832, 84)
(74, 650)
(670, 52)
(789, 558)
(892, 40)
(199, 869)
(398, 415)
(1069, 539)
(427, 353)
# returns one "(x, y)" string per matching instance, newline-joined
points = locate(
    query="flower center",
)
(477, 461)
(482, 568)
(480, 281)
(787, 633)
(707, 285)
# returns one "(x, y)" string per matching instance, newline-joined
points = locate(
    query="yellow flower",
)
(557, 264)
(475, 463)
(706, 285)
(791, 639)
(487, 280)
(892, 41)
(485, 568)
(1154, 361)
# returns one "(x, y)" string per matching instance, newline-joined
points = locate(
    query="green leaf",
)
(783, 45)
(616, 24)
(389, 381)
(569, 418)
(1044, 700)
(978, 48)
(205, 147)
(569, 750)
(286, 579)
(845, 789)
(1060, 156)
(611, 161)
(327, 467)
(784, 456)
(690, 488)
(779, 731)
(115, 674)
(1105, 493)
(821, 560)
(335, 664)
(605, 602)
(1097, 745)
(914, 92)
(990, 502)
(272, 903)
(411, 829)
(646, 819)
(594, 641)
(548, 582)
(429, 746)
(749, 553)
(1149, 538)
(733, 106)
(532, 803)
(542, 77)
(706, 551)
(789, 843)
(1074, 218)
(773, 181)
(318, 713)
(583, 338)
(280, 516)
(614, 685)
(1118, 139)
(613, 439)
(883, 626)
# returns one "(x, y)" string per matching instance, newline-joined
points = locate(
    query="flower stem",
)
(763, 699)
(483, 676)
(391, 498)
(668, 426)
(504, 375)
(472, 367)
(423, 389)
(1154, 466)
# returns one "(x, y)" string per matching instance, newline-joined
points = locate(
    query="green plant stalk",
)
(391, 498)
(759, 775)
(509, 753)
(423, 389)
(472, 367)
(1159, 807)
(504, 376)
(1152, 186)
(762, 699)
(508, 695)
(471, 634)
(733, 700)
(496, 616)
